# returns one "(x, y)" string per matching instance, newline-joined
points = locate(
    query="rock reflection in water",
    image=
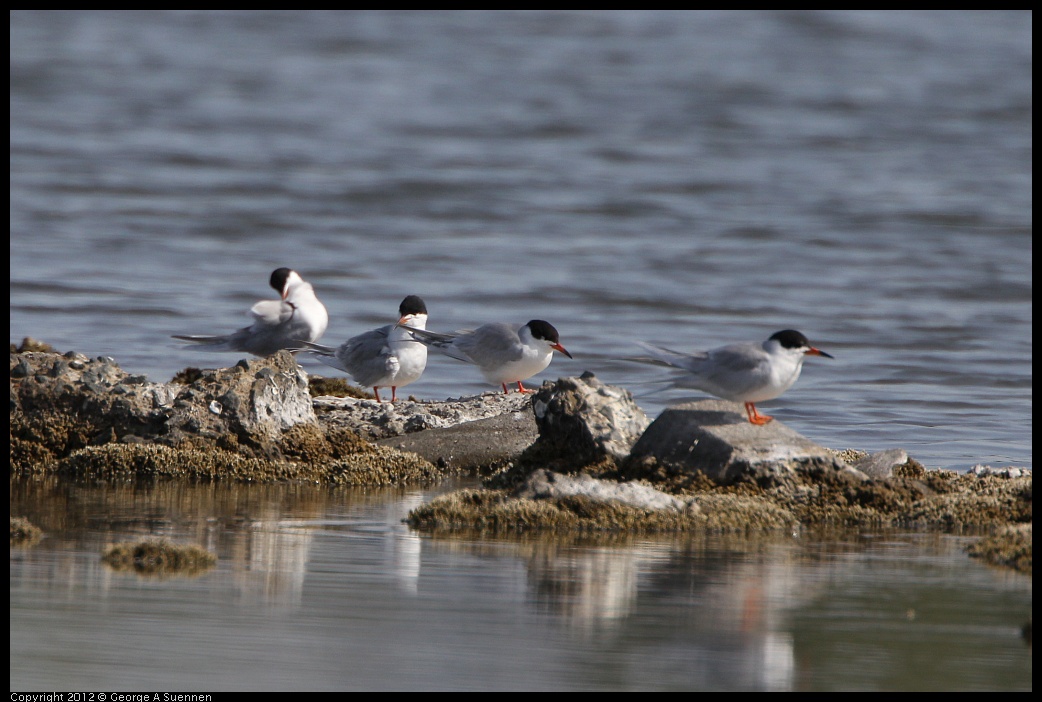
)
(620, 612)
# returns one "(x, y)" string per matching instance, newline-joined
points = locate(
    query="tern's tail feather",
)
(660, 356)
(430, 338)
(215, 342)
(317, 349)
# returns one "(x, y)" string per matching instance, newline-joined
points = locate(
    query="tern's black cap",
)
(413, 304)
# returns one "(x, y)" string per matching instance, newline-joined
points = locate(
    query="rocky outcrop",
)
(385, 420)
(713, 438)
(575, 456)
(477, 446)
(547, 485)
(254, 421)
(582, 420)
(252, 403)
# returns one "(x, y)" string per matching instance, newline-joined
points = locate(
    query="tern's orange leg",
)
(521, 388)
(754, 416)
(394, 393)
(376, 392)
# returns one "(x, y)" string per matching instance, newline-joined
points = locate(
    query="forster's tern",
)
(384, 357)
(504, 353)
(746, 372)
(278, 324)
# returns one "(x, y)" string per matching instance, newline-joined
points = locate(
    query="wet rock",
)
(714, 438)
(383, 420)
(584, 420)
(481, 445)
(881, 464)
(259, 399)
(544, 484)
(63, 403)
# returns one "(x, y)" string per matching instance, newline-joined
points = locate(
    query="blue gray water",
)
(683, 178)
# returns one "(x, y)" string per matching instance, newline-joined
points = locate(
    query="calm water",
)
(683, 178)
(321, 589)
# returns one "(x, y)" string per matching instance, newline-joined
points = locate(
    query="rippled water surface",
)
(682, 178)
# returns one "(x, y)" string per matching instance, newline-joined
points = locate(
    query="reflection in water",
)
(269, 558)
(263, 534)
(403, 544)
(730, 595)
(265, 549)
(705, 612)
(592, 587)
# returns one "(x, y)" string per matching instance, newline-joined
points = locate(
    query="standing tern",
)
(277, 324)
(385, 357)
(504, 353)
(746, 372)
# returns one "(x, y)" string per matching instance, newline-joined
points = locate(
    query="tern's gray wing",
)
(491, 345)
(727, 372)
(271, 313)
(366, 357)
(257, 339)
(733, 371)
(274, 328)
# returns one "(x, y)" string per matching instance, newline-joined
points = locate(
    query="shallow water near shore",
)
(326, 589)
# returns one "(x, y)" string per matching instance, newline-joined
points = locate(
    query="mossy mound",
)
(913, 497)
(816, 498)
(24, 532)
(496, 511)
(40, 437)
(372, 466)
(31, 344)
(1010, 548)
(159, 557)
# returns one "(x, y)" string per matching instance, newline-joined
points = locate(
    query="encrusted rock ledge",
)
(253, 422)
(576, 456)
(703, 467)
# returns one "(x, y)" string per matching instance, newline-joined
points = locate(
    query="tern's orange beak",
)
(818, 352)
(558, 347)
